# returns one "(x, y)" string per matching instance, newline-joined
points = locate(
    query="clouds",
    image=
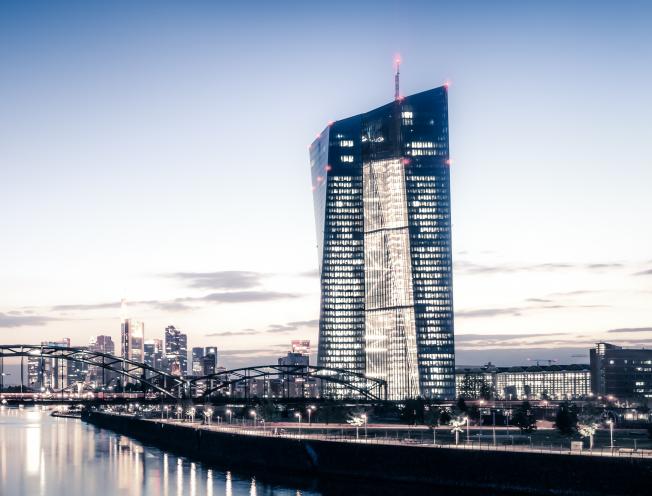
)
(18, 319)
(271, 329)
(517, 311)
(472, 268)
(226, 279)
(647, 272)
(631, 329)
(185, 303)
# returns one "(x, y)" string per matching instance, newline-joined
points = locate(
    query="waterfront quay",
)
(345, 452)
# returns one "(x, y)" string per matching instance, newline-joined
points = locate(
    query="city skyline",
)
(133, 167)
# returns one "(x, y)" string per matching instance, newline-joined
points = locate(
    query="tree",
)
(413, 411)
(461, 404)
(524, 418)
(486, 390)
(566, 418)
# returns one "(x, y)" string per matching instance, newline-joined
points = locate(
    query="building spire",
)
(397, 93)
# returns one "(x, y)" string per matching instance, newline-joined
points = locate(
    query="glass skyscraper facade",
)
(381, 184)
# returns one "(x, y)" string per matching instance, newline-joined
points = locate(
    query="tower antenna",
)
(397, 94)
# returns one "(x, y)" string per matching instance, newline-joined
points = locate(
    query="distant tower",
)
(397, 92)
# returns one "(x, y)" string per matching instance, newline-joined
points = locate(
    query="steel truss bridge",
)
(224, 382)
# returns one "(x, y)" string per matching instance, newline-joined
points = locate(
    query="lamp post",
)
(192, 414)
(298, 415)
(310, 409)
(364, 418)
(209, 415)
(253, 415)
(179, 412)
(230, 414)
(467, 430)
(493, 416)
(611, 432)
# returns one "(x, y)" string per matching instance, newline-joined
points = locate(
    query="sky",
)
(157, 152)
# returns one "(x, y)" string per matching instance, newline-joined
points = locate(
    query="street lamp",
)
(253, 414)
(179, 412)
(611, 432)
(310, 409)
(209, 415)
(230, 414)
(467, 430)
(364, 419)
(298, 415)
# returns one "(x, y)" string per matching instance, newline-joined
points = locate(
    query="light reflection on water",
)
(41, 455)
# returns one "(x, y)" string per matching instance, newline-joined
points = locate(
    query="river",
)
(43, 455)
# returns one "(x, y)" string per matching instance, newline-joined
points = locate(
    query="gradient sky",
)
(157, 151)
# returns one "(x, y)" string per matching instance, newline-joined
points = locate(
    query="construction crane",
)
(537, 360)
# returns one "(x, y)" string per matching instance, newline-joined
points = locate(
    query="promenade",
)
(395, 435)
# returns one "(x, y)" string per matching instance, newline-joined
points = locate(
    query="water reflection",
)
(42, 455)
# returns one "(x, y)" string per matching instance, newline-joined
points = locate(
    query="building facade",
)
(99, 376)
(49, 374)
(381, 183)
(624, 373)
(176, 351)
(554, 382)
(197, 362)
(132, 340)
(210, 360)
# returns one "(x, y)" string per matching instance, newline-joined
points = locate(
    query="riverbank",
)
(517, 471)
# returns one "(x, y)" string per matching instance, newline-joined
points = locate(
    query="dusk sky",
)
(157, 151)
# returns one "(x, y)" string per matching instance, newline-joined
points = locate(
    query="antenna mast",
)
(397, 94)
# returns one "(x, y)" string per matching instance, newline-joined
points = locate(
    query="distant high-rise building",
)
(301, 346)
(102, 344)
(132, 343)
(176, 351)
(381, 183)
(197, 363)
(96, 374)
(210, 360)
(132, 340)
(48, 374)
(154, 356)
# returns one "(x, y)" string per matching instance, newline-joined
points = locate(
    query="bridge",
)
(250, 381)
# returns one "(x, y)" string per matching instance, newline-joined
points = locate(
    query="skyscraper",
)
(381, 184)
(48, 374)
(98, 375)
(210, 360)
(132, 340)
(154, 353)
(176, 351)
(197, 365)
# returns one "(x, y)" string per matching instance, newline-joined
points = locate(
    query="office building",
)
(46, 373)
(132, 340)
(154, 356)
(197, 362)
(210, 360)
(97, 375)
(554, 382)
(176, 351)
(624, 373)
(381, 190)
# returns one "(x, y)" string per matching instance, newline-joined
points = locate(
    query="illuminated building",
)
(132, 342)
(197, 362)
(49, 374)
(555, 382)
(624, 373)
(176, 351)
(210, 360)
(381, 183)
